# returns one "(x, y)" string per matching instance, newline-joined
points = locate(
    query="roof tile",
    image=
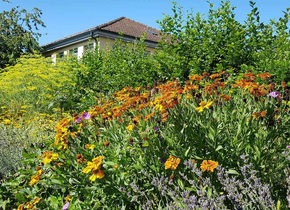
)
(125, 25)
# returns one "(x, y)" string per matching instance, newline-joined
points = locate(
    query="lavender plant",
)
(194, 189)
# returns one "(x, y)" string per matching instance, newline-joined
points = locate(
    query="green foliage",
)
(18, 34)
(197, 44)
(137, 129)
(126, 64)
(34, 81)
(105, 71)
(13, 141)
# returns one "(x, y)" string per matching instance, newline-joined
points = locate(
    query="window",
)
(88, 47)
(73, 52)
(60, 54)
(146, 53)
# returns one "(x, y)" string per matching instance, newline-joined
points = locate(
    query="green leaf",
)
(20, 197)
(109, 163)
(56, 181)
(186, 152)
(198, 158)
(180, 184)
(278, 204)
(219, 148)
(145, 144)
(232, 171)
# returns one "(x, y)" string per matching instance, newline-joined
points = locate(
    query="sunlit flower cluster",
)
(95, 167)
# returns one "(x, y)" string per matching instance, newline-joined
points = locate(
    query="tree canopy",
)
(18, 33)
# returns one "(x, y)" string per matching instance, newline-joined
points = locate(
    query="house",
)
(103, 35)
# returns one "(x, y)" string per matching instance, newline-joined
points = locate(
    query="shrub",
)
(97, 157)
(108, 70)
(195, 44)
(33, 82)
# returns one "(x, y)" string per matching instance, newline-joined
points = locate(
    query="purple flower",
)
(273, 94)
(86, 116)
(65, 207)
(79, 119)
(288, 147)
(162, 160)
(159, 136)
(156, 128)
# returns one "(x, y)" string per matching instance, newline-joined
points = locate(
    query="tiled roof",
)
(127, 26)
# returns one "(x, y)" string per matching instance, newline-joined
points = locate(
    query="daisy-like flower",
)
(97, 174)
(130, 127)
(48, 157)
(89, 146)
(209, 165)
(172, 162)
(95, 167)
(203, 105)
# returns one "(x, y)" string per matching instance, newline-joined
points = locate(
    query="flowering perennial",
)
(172, 162)
(209, 165)
(95, 167)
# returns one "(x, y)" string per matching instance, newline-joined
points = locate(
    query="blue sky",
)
(65, 17)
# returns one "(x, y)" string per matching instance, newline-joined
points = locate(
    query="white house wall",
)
(102, 42)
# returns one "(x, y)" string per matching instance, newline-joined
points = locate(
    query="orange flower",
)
(106, 143)
(209, 165)
(214, 76)
(80, 158)
(172, 162)
(258, 115)
(264, 75)
(248, 75)
(195, 77)
(225, 97)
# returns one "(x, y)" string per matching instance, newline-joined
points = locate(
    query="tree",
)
(18, 33)
(195, 43)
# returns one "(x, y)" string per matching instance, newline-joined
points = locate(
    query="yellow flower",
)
(36, 200)
(158, 107)
(67, 198)
(130, 127)
(90, 146)
(3, 107)
(21, 206)
(209, 165)
(7, 122)
(95, 168)
(31, 87)
(34, 180)
(203, 105)
(96, 164)
(172, 162)
(116, 166)
(48, 157)
(97, 174)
